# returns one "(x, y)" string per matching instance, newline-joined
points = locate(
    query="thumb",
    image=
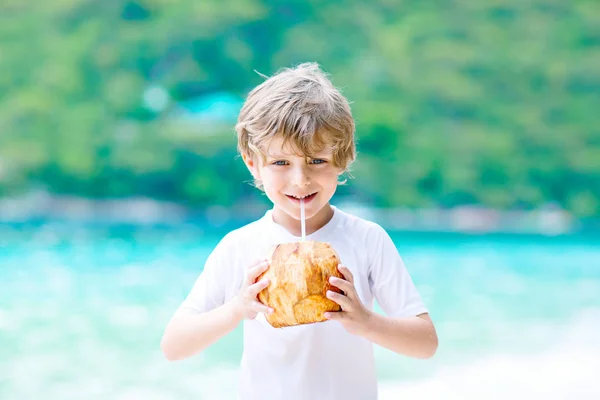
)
(335, 315)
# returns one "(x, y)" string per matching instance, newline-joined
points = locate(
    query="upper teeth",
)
(302, 197)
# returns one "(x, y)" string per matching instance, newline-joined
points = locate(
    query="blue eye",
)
(279, 162)
(318, 161)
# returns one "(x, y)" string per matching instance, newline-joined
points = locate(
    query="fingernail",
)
(332, 279)
(271, 311)
(329, 293)
(327, 315)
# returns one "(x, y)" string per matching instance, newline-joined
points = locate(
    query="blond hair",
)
(302, 106)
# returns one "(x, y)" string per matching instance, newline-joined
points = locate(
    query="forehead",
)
(277, 146)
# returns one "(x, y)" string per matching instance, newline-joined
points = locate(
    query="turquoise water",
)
(82, 310)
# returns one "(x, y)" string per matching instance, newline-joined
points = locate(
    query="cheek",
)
(271, 180)
(329, 178)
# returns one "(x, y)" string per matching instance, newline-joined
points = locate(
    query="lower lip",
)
(306, 199)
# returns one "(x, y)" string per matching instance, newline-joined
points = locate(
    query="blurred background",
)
(479, 151)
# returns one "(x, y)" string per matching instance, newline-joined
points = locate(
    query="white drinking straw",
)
(302, 219)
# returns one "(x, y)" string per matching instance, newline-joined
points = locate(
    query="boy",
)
(296, 136)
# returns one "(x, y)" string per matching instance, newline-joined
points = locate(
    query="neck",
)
(294, 226)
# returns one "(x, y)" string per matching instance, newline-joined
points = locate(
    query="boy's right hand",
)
(246, 303)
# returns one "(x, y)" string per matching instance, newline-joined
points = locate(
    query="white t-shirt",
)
(316, 361)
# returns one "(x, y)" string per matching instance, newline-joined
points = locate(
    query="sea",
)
(83, 308)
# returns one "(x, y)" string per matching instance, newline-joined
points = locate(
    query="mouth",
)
(306, 198)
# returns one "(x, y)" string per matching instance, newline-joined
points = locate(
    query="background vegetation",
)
(457, 102)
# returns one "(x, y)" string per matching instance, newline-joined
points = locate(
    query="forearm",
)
(411, 336)
(187, 335)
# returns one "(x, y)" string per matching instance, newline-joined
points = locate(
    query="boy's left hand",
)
(354, 315)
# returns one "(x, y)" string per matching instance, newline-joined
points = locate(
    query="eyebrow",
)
(322, 153)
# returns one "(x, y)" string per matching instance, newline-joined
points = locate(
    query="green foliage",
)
(468, 102)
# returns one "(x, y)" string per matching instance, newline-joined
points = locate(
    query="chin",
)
(311, 214)
(295, 214)
(298, 216)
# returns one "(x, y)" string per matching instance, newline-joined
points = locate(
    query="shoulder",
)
(368, 238)
(242, 245)
(242, 233)
(361, 228)
(365, 236)
(241, 237)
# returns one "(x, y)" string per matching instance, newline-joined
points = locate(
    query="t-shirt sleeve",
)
(213, 286)
(390, 281)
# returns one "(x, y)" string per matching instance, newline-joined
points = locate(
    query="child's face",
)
(287, 176)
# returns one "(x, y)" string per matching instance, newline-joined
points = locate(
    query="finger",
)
(344, 286)
(256, 263)
(346, 272)
(255, 271)
(342, 300)
(336, 315)
(254, 289)
(260, 307)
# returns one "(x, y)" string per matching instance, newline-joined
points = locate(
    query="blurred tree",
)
(469, 102)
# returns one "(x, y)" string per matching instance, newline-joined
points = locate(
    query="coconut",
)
(299, 273)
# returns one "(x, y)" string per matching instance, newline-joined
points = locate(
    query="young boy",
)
(296, 136)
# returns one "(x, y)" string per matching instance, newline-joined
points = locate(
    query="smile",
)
(307, 198)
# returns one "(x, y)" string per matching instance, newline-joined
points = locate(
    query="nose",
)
(300, 177)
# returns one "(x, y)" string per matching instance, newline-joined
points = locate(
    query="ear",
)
(252, 165)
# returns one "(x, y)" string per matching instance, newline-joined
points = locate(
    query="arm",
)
(406, 327)
(410, 336)
(190, 332)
